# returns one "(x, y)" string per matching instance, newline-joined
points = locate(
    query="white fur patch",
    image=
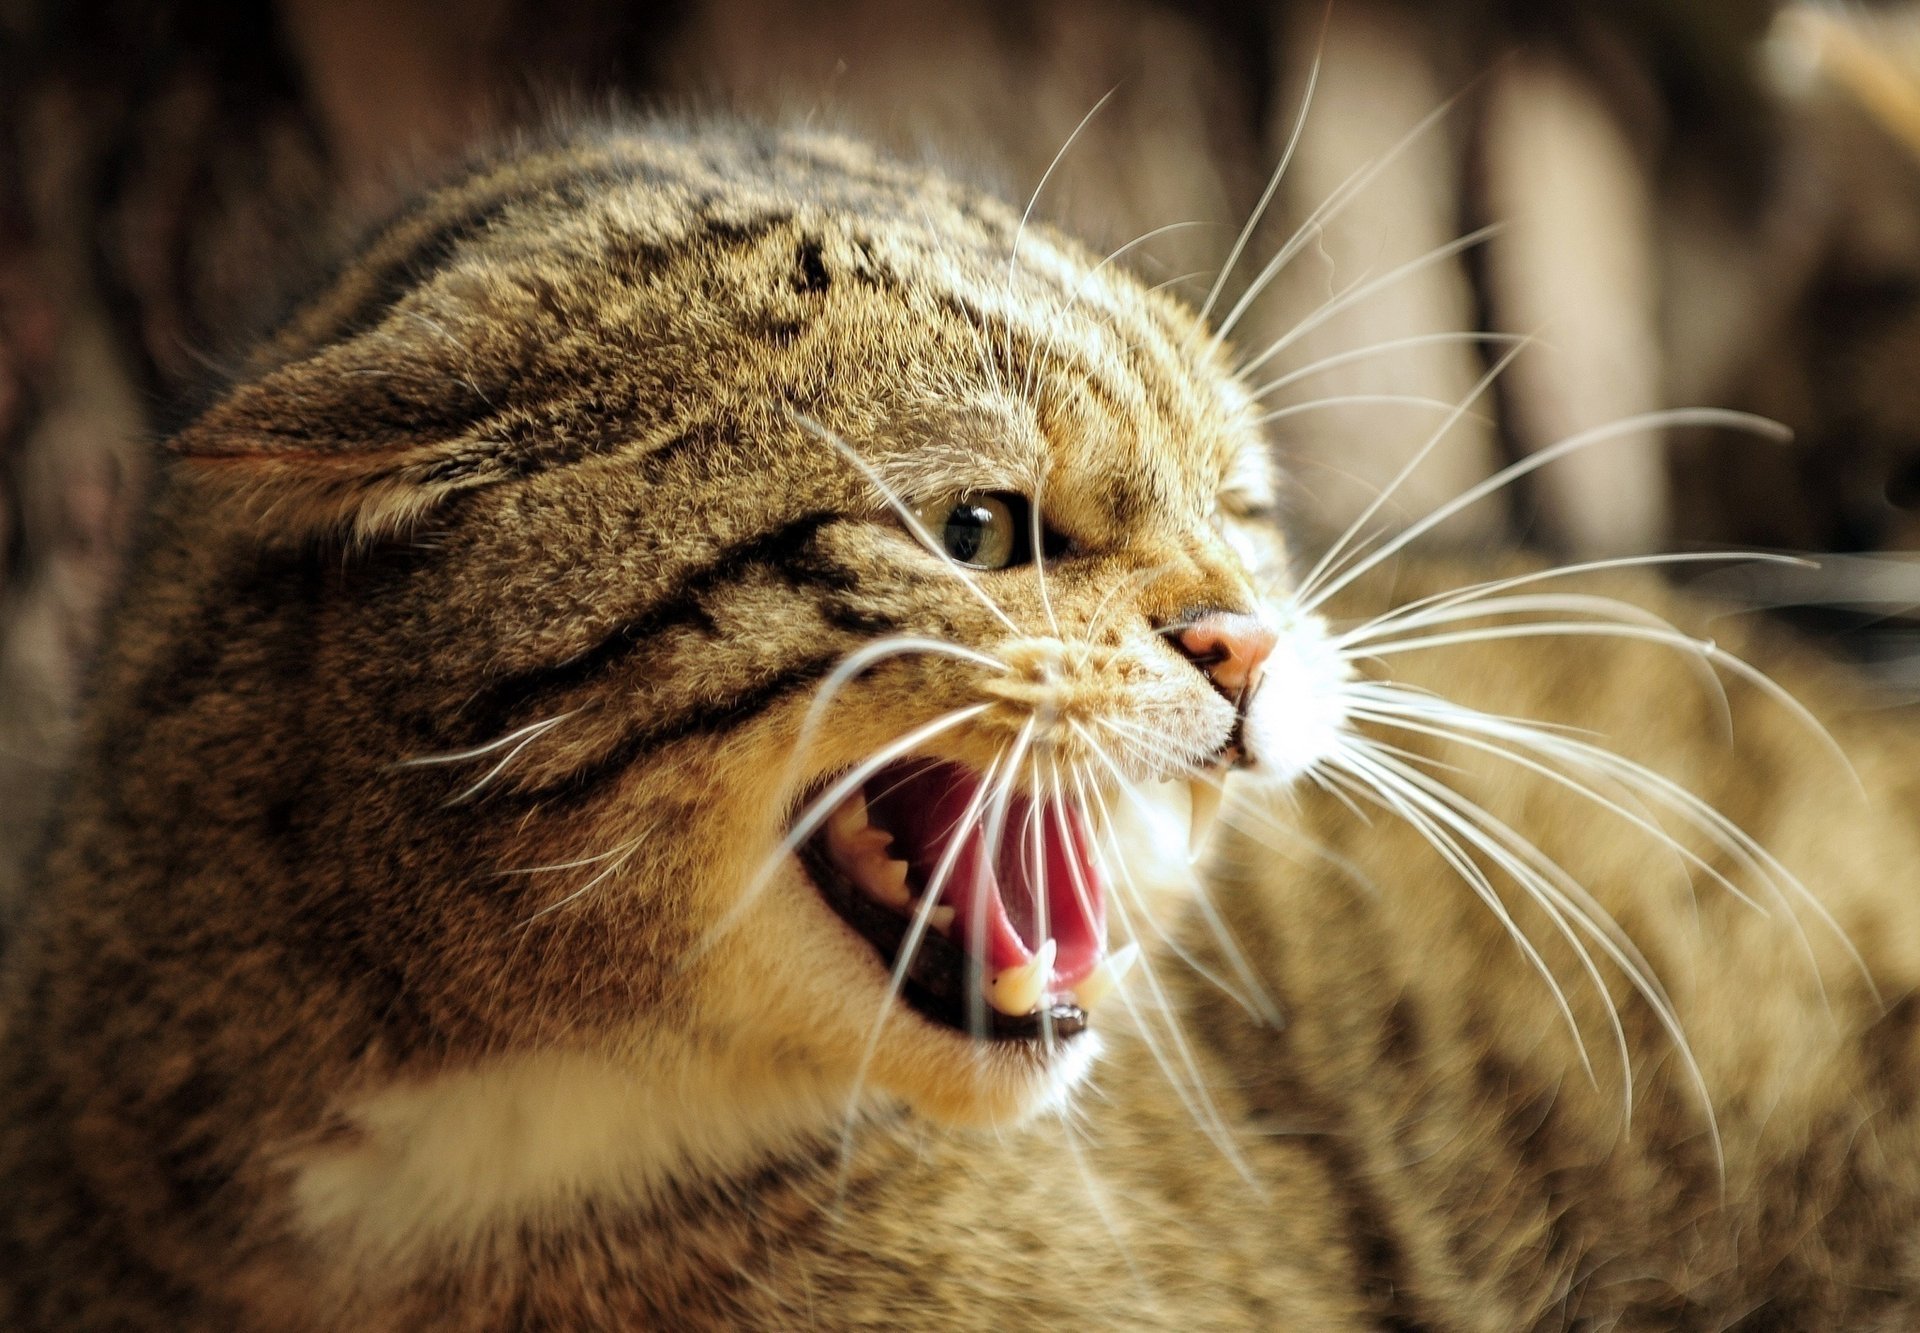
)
(1296, 717)
(441, 1165)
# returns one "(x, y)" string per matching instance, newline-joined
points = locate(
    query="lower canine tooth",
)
(1203, 796)
(1016, 991)
(941, 918)
(1101, 982)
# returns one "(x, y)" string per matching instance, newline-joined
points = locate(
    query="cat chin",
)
(1001, 1088)
(943, 1074)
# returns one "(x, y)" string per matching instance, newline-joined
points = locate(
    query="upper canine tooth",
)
(847, 819)
(1101, 982)
(1016, 991)
(1203, 796)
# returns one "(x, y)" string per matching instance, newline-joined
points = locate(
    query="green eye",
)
(980, 531)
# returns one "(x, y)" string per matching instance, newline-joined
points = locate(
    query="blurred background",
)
(1675, 202)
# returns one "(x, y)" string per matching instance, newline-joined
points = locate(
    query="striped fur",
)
(314, 1024)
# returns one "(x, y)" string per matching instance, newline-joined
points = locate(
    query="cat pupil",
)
(966, 531)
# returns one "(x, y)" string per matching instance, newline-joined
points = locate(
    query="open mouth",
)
(1012, 944)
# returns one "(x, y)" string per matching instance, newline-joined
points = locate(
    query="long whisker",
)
(1416, 814)
(1364, 400)
(864, 659)
(1348, 357)
(1384, 715)
(1706, 648)
(1189, 1084)
(1475, 591)
(1330, 208)
(1361, 289)
(1013, 252)
(995, 829)
(1599, 610)
(1305, 593)
(910, 946)
(1746, 851)
(1668, 419)
(1279, 172)
(1251, 994)
(1013, 255)
(1556, 891)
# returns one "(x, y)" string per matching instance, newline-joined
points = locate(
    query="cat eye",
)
(989, 531)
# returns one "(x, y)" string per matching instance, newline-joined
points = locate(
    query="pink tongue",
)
(1044, 857)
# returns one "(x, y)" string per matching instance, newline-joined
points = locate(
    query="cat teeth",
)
(941, 918)
(859, 849)
(1017, 991)
(1204, 791)
(886, 880)
(848, 820)
(1098, 984)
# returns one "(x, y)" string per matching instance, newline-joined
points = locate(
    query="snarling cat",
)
(639, 782)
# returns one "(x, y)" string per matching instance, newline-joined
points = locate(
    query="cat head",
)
(740, 585)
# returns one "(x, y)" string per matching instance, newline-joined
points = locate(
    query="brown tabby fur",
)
(553, 445)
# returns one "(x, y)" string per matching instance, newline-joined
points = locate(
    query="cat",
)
(655, 770)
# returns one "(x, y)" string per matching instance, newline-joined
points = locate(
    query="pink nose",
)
(1229, 648)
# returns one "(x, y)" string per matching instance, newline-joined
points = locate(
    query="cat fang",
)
(1008, 945)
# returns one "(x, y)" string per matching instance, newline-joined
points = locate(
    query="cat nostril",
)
(1230, 648)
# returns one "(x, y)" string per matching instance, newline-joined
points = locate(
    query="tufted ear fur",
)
(358, 440)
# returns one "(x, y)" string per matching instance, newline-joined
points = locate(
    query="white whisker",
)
(1330, 208)
(1188, 1082)
(1728, 837)
(1013, 255)
(1439, 827)
(1279, 173)
(1475, 591)
(1362, 288)
(1706, 648)
(910, 945)
(1506, 476)
(460, 756)
(1338, 359)
(1305, 594)
(623, 855)
(1567, 903)
(1363, 400)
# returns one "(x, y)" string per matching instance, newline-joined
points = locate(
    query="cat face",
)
(774, 570)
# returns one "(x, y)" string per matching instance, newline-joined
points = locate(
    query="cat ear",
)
(360, 441)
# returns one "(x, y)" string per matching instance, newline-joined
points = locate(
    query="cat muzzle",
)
(993, 899)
